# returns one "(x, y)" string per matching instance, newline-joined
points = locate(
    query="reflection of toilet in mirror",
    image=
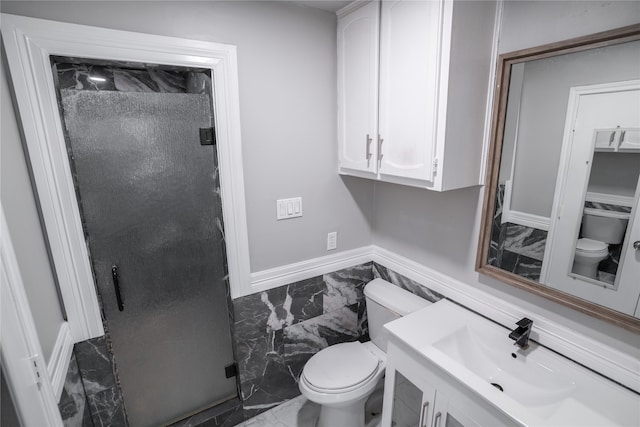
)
(600, 228)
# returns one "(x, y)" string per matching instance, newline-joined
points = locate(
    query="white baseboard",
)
(611, 199)
(290, 273)
(619, 366)
(526, 219)
(59, 360)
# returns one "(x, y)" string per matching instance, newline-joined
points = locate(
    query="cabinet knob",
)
(636, 245)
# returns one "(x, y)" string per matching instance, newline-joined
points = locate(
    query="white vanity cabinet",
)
(417, 395)
(413, 79)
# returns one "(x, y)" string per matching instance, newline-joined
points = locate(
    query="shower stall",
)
(141, 144)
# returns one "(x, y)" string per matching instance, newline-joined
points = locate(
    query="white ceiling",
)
(328, 5)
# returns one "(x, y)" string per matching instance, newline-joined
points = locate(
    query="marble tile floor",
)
(300, 412)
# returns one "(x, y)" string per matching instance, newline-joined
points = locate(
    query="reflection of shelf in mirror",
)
(624, 140)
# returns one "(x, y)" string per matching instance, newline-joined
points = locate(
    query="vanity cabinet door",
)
(409, 398)
(358, 90)
(456, 410)
(412, 403)
(417, 396)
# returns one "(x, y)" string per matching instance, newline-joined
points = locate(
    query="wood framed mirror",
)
(561, 214)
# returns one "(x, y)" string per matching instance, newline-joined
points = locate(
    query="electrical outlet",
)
(332, 240)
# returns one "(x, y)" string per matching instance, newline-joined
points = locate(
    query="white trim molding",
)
(610, 199)
(526, 219)
(29, 44)
(295, 272)
(59, 359)
(20, 351)
(497, 27)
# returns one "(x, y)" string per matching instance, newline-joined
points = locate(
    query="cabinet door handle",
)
(380, 141)
(436, 420)
(116, 286)
(423, 414)
(369, 140)
(622, 135)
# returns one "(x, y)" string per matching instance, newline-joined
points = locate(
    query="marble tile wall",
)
(123, 77)
(278, 330)
(91, 394)
(97, 371)
(382, 272)
(73, 404)
(516, 248)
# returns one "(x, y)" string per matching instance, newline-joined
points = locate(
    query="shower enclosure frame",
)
(29, 43)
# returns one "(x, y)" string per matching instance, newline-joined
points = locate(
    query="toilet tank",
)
(387, 302)
(604, 225)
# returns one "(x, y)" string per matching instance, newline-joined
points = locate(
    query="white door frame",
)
(29, 43)
(557, 262)
(20, 351)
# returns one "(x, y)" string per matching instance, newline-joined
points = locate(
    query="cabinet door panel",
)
(358, 88)
(408, 403)
(454, 409)
(409, 60)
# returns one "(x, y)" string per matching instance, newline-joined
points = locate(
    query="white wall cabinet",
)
(413, 79)
(618, 139)
(417, 394)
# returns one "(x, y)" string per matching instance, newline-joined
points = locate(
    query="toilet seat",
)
(586, 246)
(340, 368)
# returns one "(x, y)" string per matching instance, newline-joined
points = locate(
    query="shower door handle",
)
(116, 286)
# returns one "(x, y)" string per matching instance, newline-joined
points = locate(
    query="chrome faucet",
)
(521, 334)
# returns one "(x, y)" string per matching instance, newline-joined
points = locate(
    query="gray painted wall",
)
(287, 74)
(19, 207)
(543, 109)
(441, 230)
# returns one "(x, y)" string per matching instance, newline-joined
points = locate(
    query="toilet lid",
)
(589, 245)
(340, 366)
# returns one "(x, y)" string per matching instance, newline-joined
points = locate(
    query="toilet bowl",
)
(356, 369)
(588, 255)
(599, 229)
(342, 377)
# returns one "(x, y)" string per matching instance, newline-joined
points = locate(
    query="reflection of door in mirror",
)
(590, 249)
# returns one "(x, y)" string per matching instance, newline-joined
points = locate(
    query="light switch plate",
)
(288, 208)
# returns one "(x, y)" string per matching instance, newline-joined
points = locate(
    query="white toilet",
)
(341, 377)
(600, 228)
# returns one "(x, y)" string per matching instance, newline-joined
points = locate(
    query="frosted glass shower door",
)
(150, 205)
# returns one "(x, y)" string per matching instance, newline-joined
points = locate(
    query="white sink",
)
(488, 353)
(536, 385)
